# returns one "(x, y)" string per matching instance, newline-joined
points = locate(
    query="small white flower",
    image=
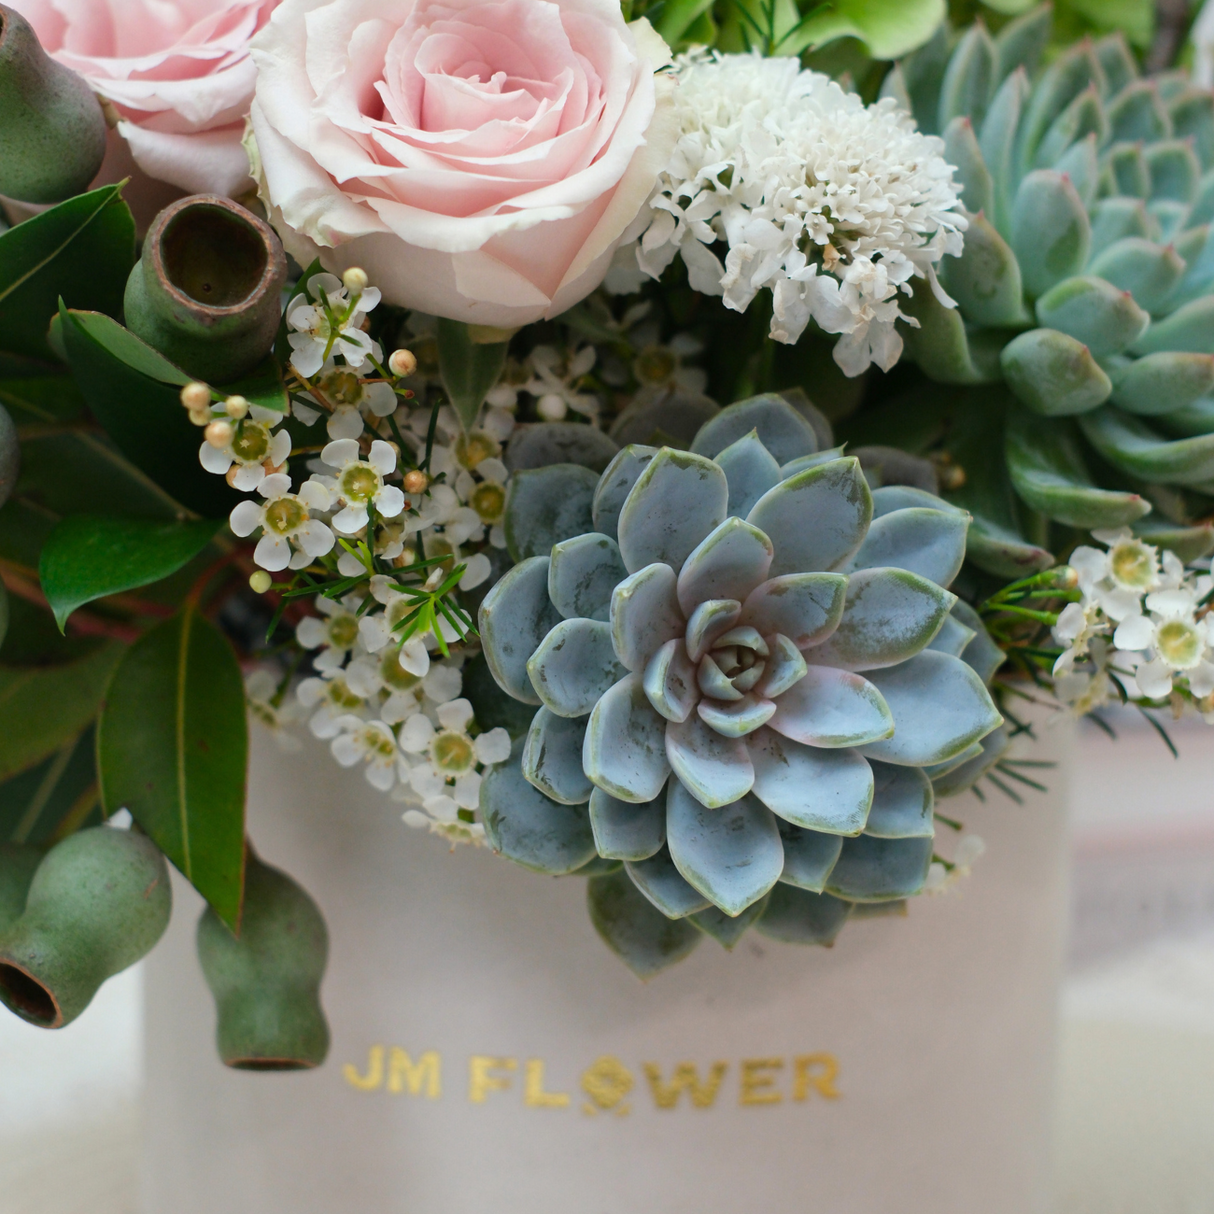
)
(316, 334)
(352, 400)
(336, 630)
(448, 760)
(253, 446)
(360, 483)
(941, 879)
(261, 690)
(369, 742)
(291, 536)
(333, 700)
(555, 375)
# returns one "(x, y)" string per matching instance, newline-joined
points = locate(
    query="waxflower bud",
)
(416, 481)
(402, 363)
(219, 434)
(236, 406)
(552, 407)
(260, 581)
(355, 279)
(196, 396)
(1061, 577)
(200, 417)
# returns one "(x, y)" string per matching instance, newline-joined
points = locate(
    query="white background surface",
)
(1136, 1089)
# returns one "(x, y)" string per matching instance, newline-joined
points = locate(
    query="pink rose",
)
(177, 71)
(481, 159)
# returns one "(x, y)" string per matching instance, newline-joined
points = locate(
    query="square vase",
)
(491, 1056)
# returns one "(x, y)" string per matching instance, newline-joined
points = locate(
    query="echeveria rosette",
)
(1086, 286)
(747, 671)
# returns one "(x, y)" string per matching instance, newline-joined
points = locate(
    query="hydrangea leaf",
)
(677, 500)
(880, 870)
(625, 748)
(732, 854)
(821, 790)
(533, 830)
(645, 614)
(625, 831)
(725, 929)
(584, 572)
(809, 856)
(547, 505)
(552, 758)
(805, 607)
(716, 770)
(797, 916)
(953, 637)
(833, 708)
(890, 615)
(728, 563)
(965, 775)
(902, 804)
(780, 428)
(666, 887)
(513, 620)
(646, 940)
(539, 444)
(750, 471)
(615, 485)
(573, 666)
(939, 705)
(836, 497)
(1129, 444)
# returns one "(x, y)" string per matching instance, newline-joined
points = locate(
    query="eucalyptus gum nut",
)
(1048, 471)
(1094, 312)
(1163, 383)
(1123, 170)
(10, 455)
(538, 444)
(940, 345)
(961, 150)
(1115, 219)
(1192, 116)
(725, 929)
(1054, 374)
(547, 505)
(514, 618)
(809, 855)
(796, 916)
(665, 887)
(52, 130)
(1149, 271)
(1189, 330)
(266, 982)
(98, 902)
(645, 939)
(1137, 115)
(985, 279)
(207, 289)
(1129, 444)
(880, 870)
(17, 864)
(970, 77)
(780, 427)
(615, 484)
(1175, 172)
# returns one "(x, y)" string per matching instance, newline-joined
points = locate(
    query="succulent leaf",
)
(823, 790)
(880, 870)
(965, 775)
(809, 855)
(583, 573)
(547, 505)
(953, 637)
(1094, 312)
(540, 444)
(670, 681)
(982, 654)
(514, 618)
(970, 78)
(641, 936)
(1055, 375)
(725, 929)
(552, 757)
(1190, 329)
(805, 607)
(1051, 234)
(616, 483)
(574, 666)
(750, 470)
(832, 708)
(625, 749)
(797, 916)
(1149, 271)
(985, 279)
(961, 150)
(665, 887)
(627, 831)
(785, 433)
(729, 563)
(645, 614)
(902, 804)
(1128, 443)
(716, 770)
(926, 542)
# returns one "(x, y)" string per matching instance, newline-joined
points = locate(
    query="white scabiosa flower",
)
(359, 483)
(370, 742)
(324, 321)
(290, 535)
(254, 445)
(832, 205)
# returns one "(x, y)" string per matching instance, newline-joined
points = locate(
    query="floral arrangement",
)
(660, 447)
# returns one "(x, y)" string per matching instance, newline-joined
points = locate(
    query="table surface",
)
(1136, 1076)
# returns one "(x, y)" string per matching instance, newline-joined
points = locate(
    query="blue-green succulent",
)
(1086, 286)
(748, 670)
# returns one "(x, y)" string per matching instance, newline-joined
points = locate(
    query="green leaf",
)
(44, 707)
(889, 28)
(82, 250)
(172, 747)
(469, 369)
(87, 557)
(119, 377)
(262, 386)
(49, 399)
(678, 16)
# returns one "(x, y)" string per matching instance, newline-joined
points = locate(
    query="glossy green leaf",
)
(468, 368)
(81, 250)
(141, 413)
(44, 707)
(1047, 469)
(87, 557)
(172, 747)
(889, 28)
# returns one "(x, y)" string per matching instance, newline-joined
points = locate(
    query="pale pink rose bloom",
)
(480, 159)
(177, 71)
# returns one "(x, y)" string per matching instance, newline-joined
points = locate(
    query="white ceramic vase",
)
(491, 1056)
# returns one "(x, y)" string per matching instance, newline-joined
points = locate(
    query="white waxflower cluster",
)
(832, 205)
(1141, 623)
(942, 878)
